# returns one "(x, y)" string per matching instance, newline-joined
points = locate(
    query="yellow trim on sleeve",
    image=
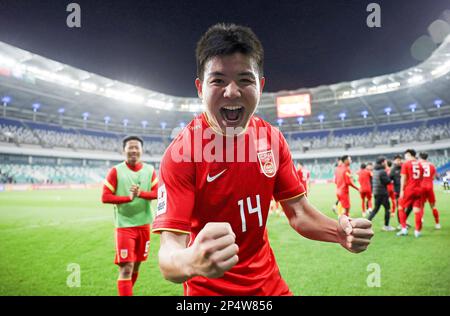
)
(154, 182)
(292, 197)
(109, 186)
(170, 230)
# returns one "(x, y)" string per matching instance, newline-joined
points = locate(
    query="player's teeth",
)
(231, 108)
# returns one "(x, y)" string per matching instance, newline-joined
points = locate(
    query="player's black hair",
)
(389, 163)
(344, 158)
(363, 166)
(226, 39)
(423, 155)
(132, 137)
(380, 160)
(412, 152)
(397, 157)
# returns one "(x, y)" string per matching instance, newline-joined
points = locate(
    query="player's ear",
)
(262, 82)
(199, 86)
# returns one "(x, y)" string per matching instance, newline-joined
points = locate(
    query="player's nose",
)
(232, 91)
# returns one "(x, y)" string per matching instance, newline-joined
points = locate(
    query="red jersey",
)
(193, 192)
(414, 173)
(365, 179)
(429, 173)
(304, 176)
(342, 178)
(390, 186)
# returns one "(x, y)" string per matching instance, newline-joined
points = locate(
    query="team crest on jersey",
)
(267, 163)
(123, 253)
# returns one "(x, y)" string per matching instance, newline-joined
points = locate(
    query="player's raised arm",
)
(213, 252)
(352, 234)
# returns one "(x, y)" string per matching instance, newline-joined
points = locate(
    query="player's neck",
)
(134, 165)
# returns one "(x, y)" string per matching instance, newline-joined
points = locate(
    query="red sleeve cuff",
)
(171, 225)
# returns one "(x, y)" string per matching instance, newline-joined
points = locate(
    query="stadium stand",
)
(38, 174)
(49, 136)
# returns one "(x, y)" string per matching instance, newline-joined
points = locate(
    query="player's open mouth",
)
(232, 114)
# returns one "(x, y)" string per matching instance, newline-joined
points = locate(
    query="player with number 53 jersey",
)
(411, 191)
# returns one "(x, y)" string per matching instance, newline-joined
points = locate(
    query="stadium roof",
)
(30, 78)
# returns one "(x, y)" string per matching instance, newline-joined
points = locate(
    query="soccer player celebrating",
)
(390, 188)
(129, 186)
(343, 182)
(213, 200)
(365, 179)
(410, 192)
(336, 204)
(429, 173)
(304, 176)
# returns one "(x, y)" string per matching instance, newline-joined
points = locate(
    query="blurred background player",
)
(380, 182)
(390, 189)
(343, 181)
(429, 174)
(411, 192)
(365, 191)
(395, 175)
(130, 186)
(304, 176)
(336, 166)
(445, 181)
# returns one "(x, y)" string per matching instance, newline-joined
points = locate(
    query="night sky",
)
(151, 43)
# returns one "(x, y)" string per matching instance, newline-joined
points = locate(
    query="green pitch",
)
(42, 233)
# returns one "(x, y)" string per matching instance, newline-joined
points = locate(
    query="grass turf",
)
(42, 232)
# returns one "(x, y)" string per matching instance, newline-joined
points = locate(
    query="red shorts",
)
(366, 195)
(132, 244)
(344, 199)
(428, 195)
(411, 198)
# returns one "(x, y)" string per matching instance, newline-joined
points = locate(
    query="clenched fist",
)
(354, 234)
(214, 250)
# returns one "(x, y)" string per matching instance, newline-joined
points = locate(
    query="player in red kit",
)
(411, 192)
(429, 174)
(218, 176)
(365, 191)
(390, 188)
(343, 182)
(304, 176)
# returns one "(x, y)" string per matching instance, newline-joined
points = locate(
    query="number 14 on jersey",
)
(251, 210)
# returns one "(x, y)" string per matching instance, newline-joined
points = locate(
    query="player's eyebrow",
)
(241, 74)
(216, 73)
(247, 73)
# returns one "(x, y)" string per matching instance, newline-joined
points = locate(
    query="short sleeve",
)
(404, 169)
(287, 182)
(110, 181)
(176, 195)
